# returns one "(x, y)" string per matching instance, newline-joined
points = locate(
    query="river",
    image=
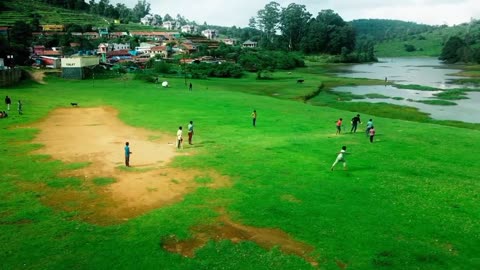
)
(414, 71)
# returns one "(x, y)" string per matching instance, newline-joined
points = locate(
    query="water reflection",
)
(422, 71)
(419, 71)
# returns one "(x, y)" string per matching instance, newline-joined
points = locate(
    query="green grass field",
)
(410, 200)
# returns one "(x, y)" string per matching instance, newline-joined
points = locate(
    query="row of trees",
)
(294, 29)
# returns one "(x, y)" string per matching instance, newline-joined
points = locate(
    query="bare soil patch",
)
(38, 76)
(225, 228)
(97, 136)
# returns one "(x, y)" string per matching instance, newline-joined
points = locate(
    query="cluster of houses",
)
(163, 44)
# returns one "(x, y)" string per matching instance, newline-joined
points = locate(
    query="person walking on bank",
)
(339, 126)
(254, 118)
(127, 154)
(8, 101)
(372, 134)
(355, 121)
(20, 107)
(179, 138)
(190, 132)
(341, 158)
(369, 126)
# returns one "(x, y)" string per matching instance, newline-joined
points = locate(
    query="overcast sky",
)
(229, 13)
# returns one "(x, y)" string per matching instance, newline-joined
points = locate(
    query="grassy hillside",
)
(429, 43)
(23, 10)
(408, 201)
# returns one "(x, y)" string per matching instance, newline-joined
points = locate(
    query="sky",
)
(238, 13)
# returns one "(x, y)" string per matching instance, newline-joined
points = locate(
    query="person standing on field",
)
(341, 158)
(369, 126)
(254, 118)
(20, 107)
(371, 133)
(355, 121)
(190, 132)
(339, 126)
(179, 138)
(127, 154)
(190, 87)
(8, 101)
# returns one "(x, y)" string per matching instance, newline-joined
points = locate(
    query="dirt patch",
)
(38, 76)
(225, 228)
(96, 136)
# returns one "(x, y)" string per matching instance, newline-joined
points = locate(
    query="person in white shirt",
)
(179, 138)
(190, 132)
(341, 158)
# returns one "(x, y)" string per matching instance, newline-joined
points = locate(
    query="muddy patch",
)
(226, 229)
(95, 136)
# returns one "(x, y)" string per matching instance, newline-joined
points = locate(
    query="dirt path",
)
(97, 136)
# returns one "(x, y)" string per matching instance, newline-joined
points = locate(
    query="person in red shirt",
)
(339, 126)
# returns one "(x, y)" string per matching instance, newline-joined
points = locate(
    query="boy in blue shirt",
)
(127, 154)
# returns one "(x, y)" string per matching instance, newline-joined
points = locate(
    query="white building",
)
(121, 46)
(230, 41)
(147, 20)
(145, 47)
(170, 25)
(189, 29)
(210, 33)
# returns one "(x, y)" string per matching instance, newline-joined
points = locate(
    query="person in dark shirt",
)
(8, 101)
(355, 121)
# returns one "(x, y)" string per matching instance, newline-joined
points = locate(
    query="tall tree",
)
(293, 24)
(141, 9)
(268, 19)
(452, 50)
(167, 18)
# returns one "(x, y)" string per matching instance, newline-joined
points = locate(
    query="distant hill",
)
(399, 38)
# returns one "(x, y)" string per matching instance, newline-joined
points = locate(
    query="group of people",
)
(179, 144)
(8, 103)
(370, 129)
(370, 132)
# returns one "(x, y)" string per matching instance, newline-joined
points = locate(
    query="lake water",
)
(420, 71)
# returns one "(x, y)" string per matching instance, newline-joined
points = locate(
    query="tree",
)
(141, 9)
(293, 24)
(167, 18)
(124, 13)
(452, 49)
(268, 19)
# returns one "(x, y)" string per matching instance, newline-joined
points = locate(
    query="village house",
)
(230, 41)
(188, 29)
(170, 25)
(210, 33)
(145, 47)
(156, 36)
(249, 44)
(117, 34)
(159, 50)
(53, 28)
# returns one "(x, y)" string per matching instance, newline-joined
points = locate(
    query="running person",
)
(341, 158)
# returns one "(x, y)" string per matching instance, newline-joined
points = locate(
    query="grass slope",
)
(22, 11)
(409, 201)
(429, 43)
